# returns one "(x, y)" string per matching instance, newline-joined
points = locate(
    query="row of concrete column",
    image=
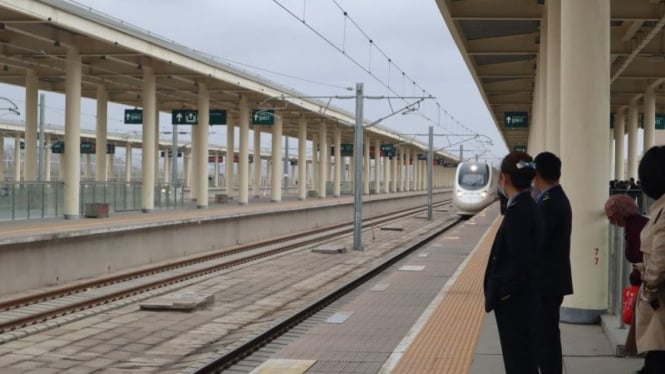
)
(196, 164)
(570, 117)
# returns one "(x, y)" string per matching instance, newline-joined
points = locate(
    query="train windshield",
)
(473, 176)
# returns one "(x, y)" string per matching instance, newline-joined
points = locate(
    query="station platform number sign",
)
(86, 148)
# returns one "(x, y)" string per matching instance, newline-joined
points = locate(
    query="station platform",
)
(426, 315)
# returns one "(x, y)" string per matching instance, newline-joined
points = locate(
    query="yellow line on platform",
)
(447, 342)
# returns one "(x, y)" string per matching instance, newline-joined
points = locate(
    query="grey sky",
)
(260, 33)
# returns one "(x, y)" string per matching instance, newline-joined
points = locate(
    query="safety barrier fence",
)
(38, 200)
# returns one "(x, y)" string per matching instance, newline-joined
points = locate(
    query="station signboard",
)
(250, 157)
(519, 148)
(516, 119)
(388, 150)
(88, 147)
(263, 117)
(660, 121)
(184, 117)
(211, 159)
(162, 153)
(133, 116)
(217, 117)
(422, 156)
(110, 149)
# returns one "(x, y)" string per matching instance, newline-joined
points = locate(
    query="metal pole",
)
(461, 152)
(174, 155)
(40, 162)
(358, 175)
(430, 161)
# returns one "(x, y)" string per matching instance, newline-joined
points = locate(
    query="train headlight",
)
(459, 194)
(483, 194)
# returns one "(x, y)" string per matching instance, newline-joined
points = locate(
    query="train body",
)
(475, 187)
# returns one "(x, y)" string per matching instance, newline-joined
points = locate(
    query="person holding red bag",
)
(622, 210)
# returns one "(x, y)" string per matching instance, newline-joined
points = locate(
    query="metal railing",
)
(39, 200)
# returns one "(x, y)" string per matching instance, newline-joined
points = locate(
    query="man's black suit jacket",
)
(558, 217)
(515, 260)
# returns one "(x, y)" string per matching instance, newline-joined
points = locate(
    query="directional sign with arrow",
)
(133, 116)
(185, 117)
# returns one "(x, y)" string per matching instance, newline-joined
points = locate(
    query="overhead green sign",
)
(660, 121)
(110, 149)
(88, 147)
(263, 117)
(58, 147)
(346, 150)
(516, 119)
(133, 116)
(422, 156)
(388, 150)
(217, 117)
(185, 117)
(519, 148)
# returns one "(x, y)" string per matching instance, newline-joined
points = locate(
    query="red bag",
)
(629, 300)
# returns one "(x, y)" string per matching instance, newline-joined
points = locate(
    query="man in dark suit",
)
(557, 279)
(512, 273)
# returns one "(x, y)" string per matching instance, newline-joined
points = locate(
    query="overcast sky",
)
(261, 34)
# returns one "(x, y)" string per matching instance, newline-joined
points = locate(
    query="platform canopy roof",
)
(37, 34)
(500, 43)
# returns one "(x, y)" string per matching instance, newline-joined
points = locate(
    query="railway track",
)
(265, 337)
(39, 307)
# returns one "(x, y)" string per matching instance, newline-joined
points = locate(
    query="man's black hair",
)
(548, 166)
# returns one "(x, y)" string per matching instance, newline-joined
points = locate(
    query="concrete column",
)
(394, 177)
(100, 139)
(543, 72)
(553, 86)
(585, 103)
(386, 174)
(377, 166)
(228, 165)
(194, 168)
(216, 177)
(167, 166)
(243, 155)
(156, 152)
(324, 151)
(31, 111)
(315, 164)
(186, 169)
(2, 159)
(302, 159)
(400, 170)
(88, 167)
(47, 161)
(416, 171)
(148, 139)
(128, 163)
(17, 159)
(72, 154)
(256, 186)
(632, 139)
(110, 171)
(619, 132)
(201, 154)
(366, 163)
(649, 119)
(407, 172)
(337, 188)
(277, 132)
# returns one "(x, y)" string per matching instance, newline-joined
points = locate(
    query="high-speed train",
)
(475, 187)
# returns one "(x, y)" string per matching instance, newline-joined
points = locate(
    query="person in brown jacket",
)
(650, 308)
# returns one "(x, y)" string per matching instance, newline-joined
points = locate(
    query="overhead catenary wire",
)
(372, 44)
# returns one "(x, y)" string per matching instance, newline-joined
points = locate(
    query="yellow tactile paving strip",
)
(447, 342)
